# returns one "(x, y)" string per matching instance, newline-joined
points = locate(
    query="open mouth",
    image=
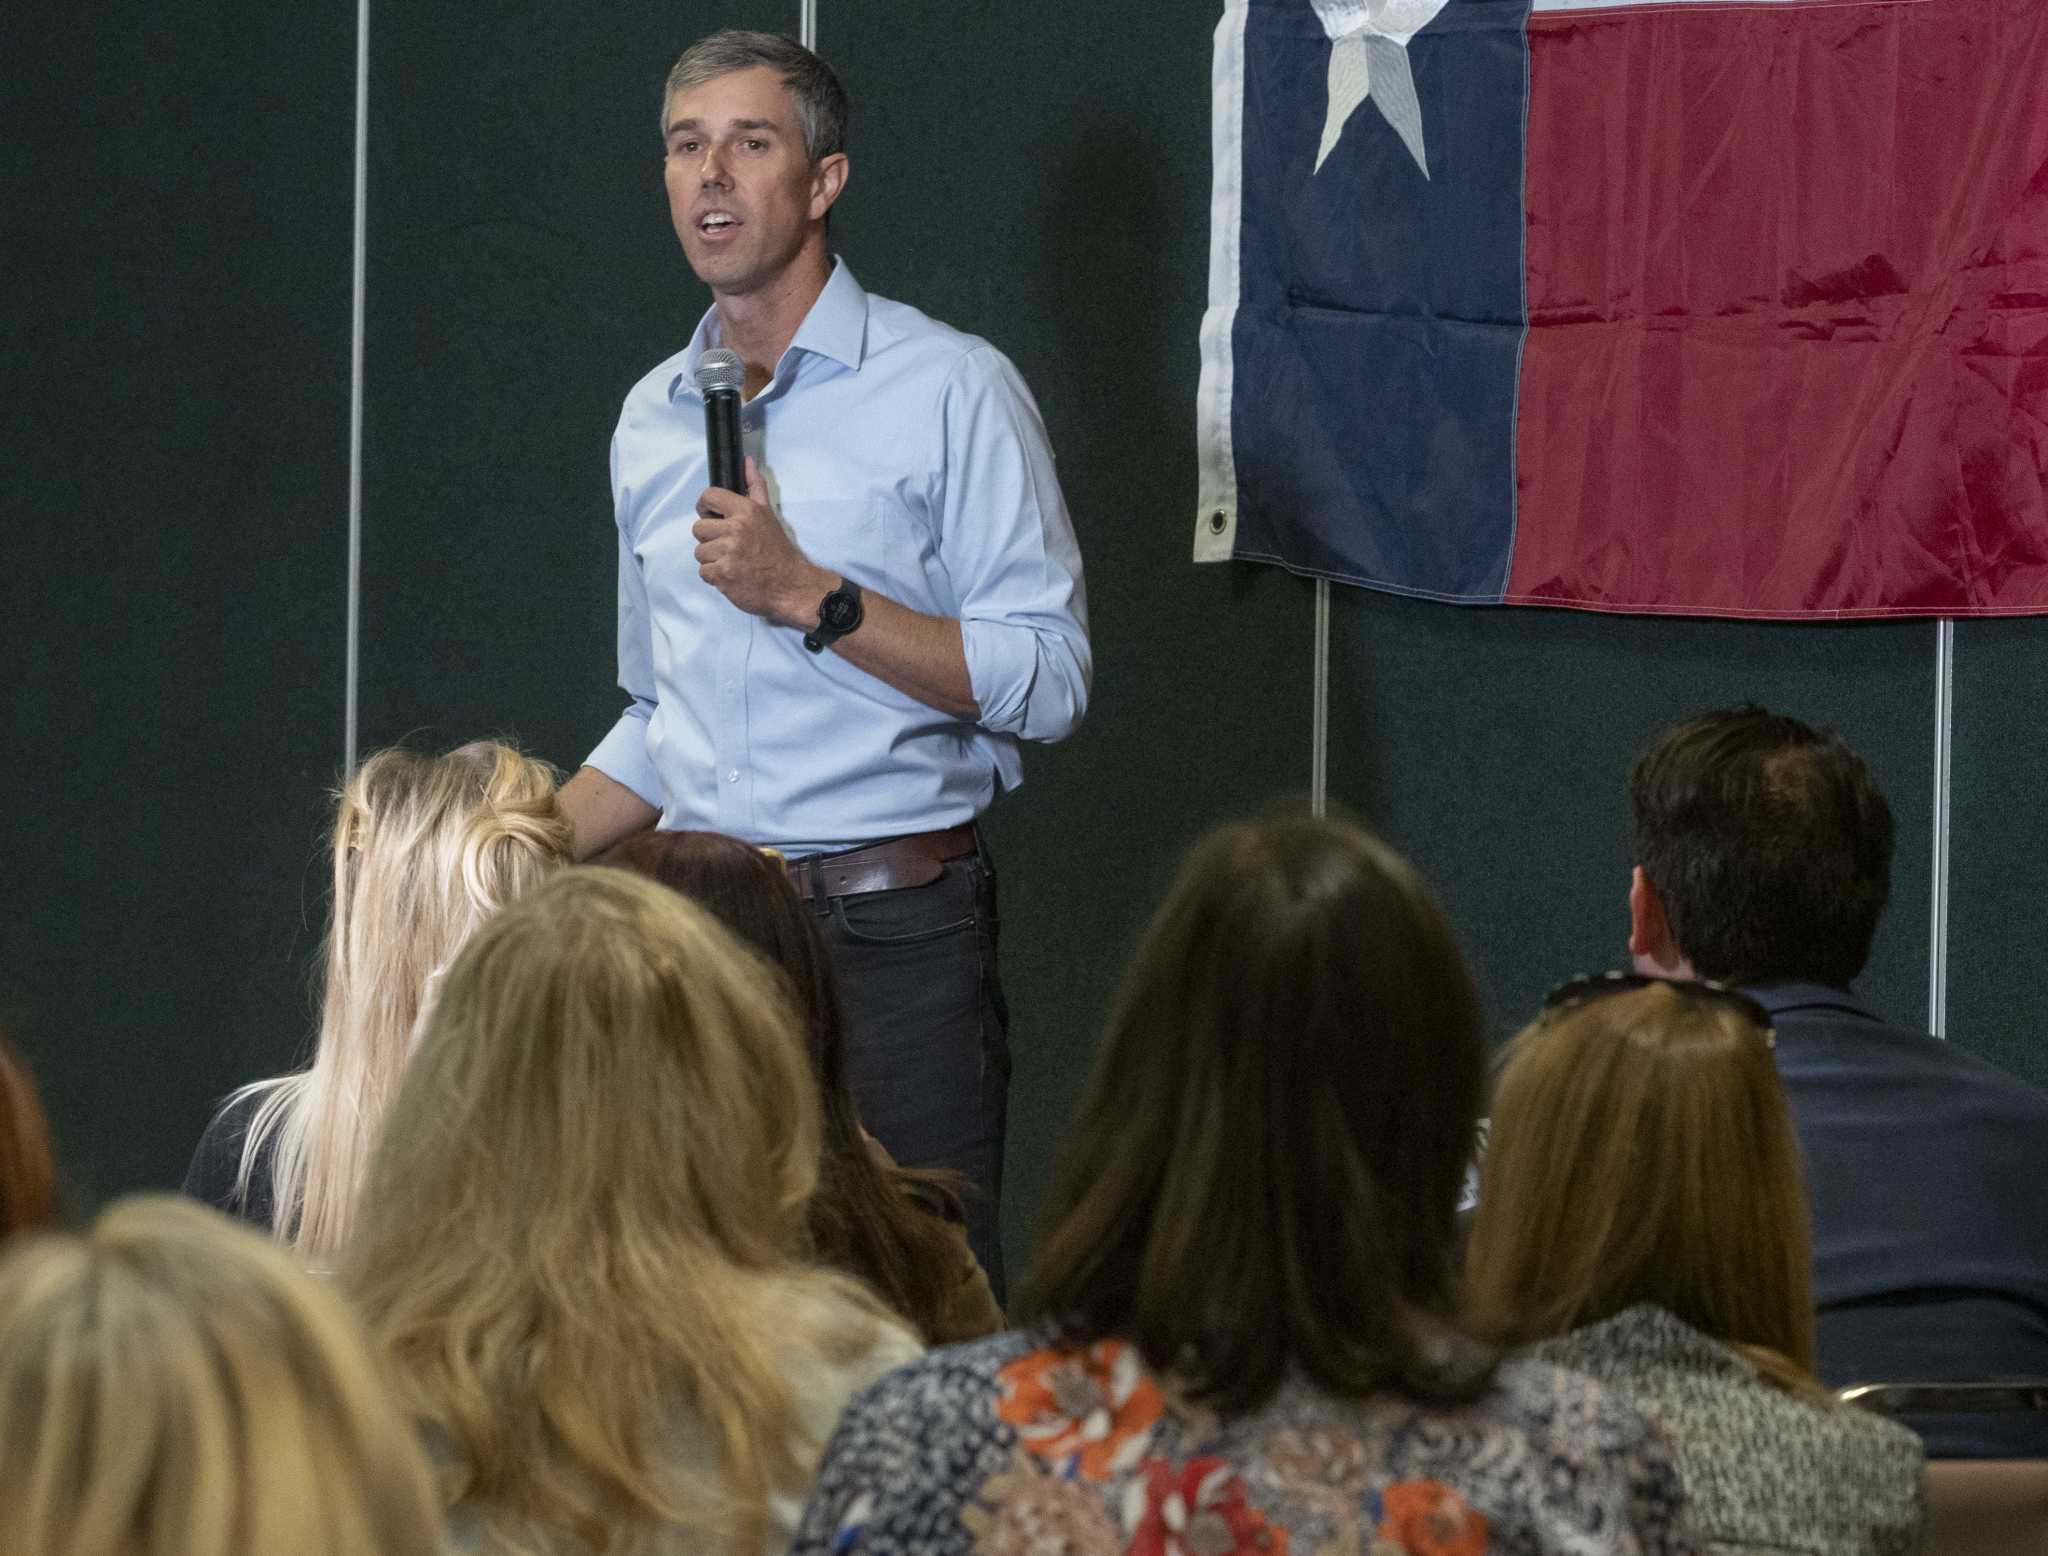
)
(715, 224)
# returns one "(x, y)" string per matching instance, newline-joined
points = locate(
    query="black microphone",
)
(720, 376)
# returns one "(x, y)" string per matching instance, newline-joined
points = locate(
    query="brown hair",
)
(1641, 1152)
(882, 1224)
(28, 1171)
(1265, 1169)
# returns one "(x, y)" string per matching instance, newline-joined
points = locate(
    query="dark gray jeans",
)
(928, 1046)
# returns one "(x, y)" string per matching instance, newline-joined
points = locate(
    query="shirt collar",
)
(836, 327)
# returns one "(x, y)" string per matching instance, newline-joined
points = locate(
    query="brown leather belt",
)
(916, 860)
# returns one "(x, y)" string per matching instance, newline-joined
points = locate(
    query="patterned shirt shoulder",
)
(1015, 1445)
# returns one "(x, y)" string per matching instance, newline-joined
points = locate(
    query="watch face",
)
(840, 613)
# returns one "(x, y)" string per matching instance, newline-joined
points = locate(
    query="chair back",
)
(1975, 1507)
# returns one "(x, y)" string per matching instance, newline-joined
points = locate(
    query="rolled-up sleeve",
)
(1009, 547)
(622, 755)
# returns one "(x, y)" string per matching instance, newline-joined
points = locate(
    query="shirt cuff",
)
(622, 757)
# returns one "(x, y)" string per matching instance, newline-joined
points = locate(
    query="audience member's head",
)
(172, 1385)
(1762, 850)
(863, 1219)
(1641, 1151)
(28, 1170)
(1266, 1166)
(586, 1215)
(426, 848)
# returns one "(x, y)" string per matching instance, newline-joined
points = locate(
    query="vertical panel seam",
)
(359, 267)
(1319, 718)
(1944, 730)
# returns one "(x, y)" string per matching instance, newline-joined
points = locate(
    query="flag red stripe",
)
(1788, 301)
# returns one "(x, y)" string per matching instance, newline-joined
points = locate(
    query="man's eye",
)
(755, 143)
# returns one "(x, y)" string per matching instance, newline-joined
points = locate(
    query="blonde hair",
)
(173, 1385)
(425, 849)
(584, 1221)
(1641, 1151)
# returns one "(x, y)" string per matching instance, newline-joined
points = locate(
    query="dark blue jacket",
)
(1927, 1173)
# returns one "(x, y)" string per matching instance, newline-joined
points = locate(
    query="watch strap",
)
(838, 614)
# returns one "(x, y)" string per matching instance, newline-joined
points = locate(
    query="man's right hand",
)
(602, 810)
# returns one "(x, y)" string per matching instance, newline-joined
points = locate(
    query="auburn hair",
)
(884, 1223)
(28, 1169)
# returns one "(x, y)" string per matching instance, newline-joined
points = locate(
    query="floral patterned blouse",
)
(1011, 1447)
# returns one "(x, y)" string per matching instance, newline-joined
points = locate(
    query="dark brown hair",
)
(28, 1171)
(1265, 1170)
(884, 1224)
(1768, 845)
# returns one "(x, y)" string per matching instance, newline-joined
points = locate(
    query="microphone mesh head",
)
(719, 369)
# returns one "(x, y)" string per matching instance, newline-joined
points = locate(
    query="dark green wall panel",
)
(522, 275)
(176, 191)
(1998, 846)
(1493, 746)
(1048, 187)
(174, 528)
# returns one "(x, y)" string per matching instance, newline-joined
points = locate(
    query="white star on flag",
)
(1369, 58)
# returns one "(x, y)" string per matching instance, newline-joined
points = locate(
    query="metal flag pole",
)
(352, 656)
(1319, 719)
(1937, 921)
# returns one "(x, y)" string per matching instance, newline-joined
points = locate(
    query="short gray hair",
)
(821, 107)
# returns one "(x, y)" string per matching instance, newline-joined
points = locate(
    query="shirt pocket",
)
(843, 534)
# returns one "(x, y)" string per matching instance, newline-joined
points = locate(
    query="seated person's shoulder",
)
(1548, 1400)
(217, 1162)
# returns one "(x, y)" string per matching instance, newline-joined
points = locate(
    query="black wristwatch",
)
(838, 614)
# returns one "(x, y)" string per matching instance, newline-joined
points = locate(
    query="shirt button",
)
(733, 776)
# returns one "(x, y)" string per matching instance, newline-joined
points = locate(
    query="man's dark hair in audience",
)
(1767, 844)
(1763, 858)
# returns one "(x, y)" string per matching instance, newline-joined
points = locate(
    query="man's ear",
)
(828, 181)
(1649, 932)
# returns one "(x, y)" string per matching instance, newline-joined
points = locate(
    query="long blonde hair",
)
(1641, 1151)
(584, 1222)
(173, 1385)
(425, 849)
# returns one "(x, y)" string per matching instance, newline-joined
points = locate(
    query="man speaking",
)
(839, 661)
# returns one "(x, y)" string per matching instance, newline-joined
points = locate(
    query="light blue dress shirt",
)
(908, 457)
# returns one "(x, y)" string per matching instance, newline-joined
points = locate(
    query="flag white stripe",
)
(1216, 484)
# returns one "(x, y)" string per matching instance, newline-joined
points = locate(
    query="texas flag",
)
(1718, 308)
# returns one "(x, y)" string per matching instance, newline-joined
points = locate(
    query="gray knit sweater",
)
(1766, 1473)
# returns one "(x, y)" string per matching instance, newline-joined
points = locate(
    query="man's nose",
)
(711, 171)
